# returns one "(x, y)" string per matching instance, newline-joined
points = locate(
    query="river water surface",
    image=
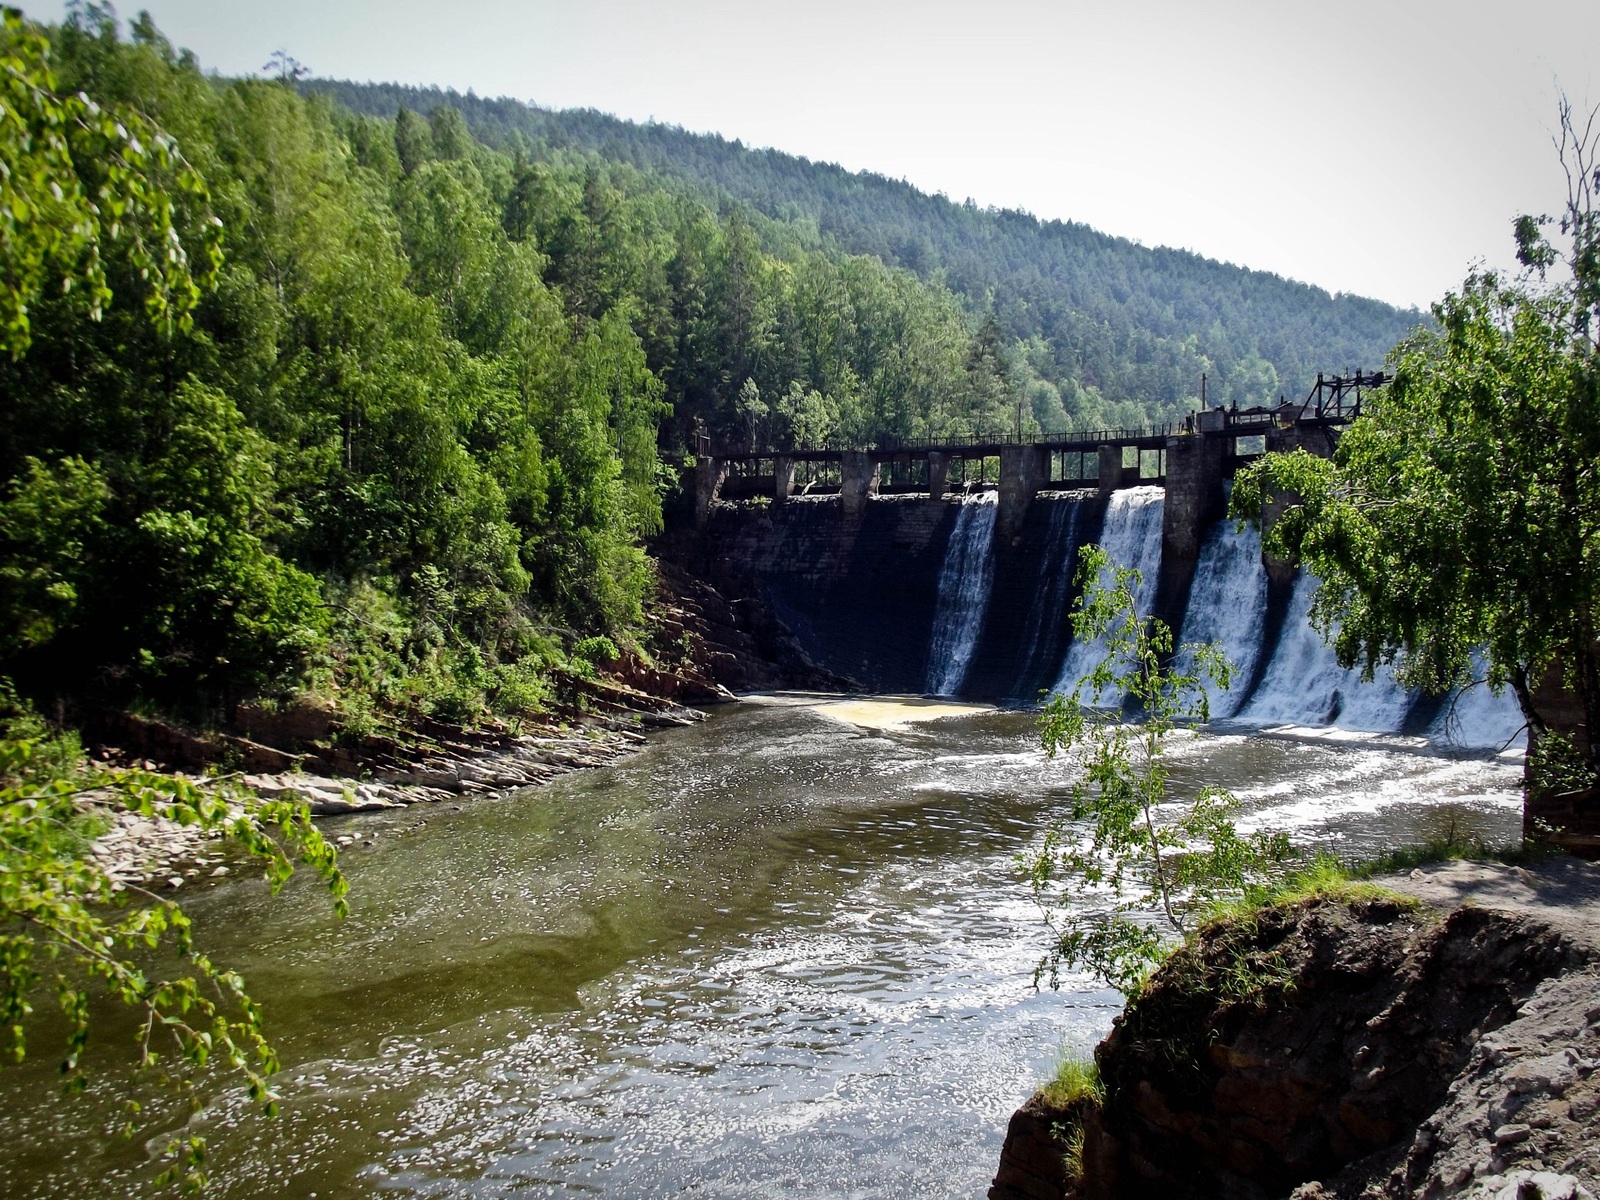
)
(782, 953)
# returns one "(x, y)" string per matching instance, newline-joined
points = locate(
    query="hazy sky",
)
(1371, 147)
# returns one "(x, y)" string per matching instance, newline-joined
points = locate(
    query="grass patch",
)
(1072, 1156)
(1073, 1089)
(1452, 846)
(1075, 1080)
(1325, 877)
(1328, 877)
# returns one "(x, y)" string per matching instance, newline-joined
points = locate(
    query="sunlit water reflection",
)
(777, 954)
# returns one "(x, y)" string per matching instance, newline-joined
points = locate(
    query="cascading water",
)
(1477, 719)
(1132, 537)
(964, 582)
(1227, 606)
(1049, 608)
(1305, 685)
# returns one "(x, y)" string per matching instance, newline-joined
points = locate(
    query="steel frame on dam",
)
(1211, 443)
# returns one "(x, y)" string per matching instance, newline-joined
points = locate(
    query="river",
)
(784, 952)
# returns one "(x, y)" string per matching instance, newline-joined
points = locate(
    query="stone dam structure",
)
(949, 570)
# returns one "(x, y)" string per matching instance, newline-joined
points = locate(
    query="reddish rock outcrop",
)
(1324, 1043)
(1033, 1161)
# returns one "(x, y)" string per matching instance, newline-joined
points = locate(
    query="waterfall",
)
(1048, 610)
(1476, 719)
(964, 581)
(1305, 685)
(1131, 535)
(1227, 605)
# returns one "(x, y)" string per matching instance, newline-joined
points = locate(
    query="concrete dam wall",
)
(864, 596)
(908, 594)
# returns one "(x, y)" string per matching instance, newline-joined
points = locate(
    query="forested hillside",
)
(406, 447)
(1097, 329)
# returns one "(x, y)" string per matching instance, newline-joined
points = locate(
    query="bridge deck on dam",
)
(1193, 458)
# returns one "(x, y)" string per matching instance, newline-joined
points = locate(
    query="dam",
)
(948, 569)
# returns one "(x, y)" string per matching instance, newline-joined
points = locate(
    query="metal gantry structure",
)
(957, 464)
(1333, 400)
(1339, 398)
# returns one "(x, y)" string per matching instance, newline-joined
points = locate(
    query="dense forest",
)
(439, 364)
(406, 448)
(1097, 330)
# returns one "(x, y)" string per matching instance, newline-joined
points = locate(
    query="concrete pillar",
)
(1280, 571)
(1110, 477)
(1023, 471)
(709, 472)
(782, 478)
(1316, 440)
(1193, 502)
(858, 480)
(1194, 493)
(938, 474)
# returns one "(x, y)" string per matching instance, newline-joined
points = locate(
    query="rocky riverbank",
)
(143, 850)
(702, 647)
(1375, 1049)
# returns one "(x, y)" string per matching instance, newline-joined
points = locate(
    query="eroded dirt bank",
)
(1353, 1050)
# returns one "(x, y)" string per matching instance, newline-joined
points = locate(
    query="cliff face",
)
(858, 593)
(717, 642)
(1327, 1049)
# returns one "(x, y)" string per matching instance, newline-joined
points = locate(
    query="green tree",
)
(413, 140)
(183, 524)
(1461, 514)
(450, 139)
(70, 929)
(809, 415)
(77, 176)
(1130, 869)
(751, 411)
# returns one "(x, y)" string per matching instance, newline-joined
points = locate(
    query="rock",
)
(446, 763)
(1536, 1185)
(1552, 1073)
(1032, 1161)
(289, 727)
(1379, 1056)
